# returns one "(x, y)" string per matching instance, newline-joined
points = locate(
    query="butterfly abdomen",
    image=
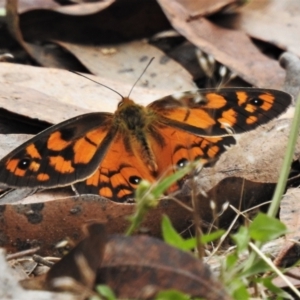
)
(134, 120)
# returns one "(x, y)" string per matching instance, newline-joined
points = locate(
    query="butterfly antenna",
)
(150, 61)
(86, 77)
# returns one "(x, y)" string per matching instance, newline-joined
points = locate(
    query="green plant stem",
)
(283, 176)
(285, 170)
(275, 269)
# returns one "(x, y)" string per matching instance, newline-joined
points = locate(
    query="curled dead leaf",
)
(141, 266)
(232, 48)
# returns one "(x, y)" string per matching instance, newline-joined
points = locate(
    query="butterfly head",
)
(130, 115)
(125, 102)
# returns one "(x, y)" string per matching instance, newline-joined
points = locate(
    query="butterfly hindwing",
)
(119, 173)
(60, 155)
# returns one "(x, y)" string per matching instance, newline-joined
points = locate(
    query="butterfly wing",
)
(220, 112)
(199, 125)
(119, 173)
(60, 155)
(174, 148)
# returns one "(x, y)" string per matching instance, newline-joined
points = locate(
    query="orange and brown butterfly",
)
(109, 154)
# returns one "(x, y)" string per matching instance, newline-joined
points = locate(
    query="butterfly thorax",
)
(131, 116)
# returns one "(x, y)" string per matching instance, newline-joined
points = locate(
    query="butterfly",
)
(109, 154)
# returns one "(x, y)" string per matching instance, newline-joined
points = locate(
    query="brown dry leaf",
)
(117, 264)
(36, 105)
(126, 62)
(9, 144)
(60, 95)
(10, 288)
(293, 276)
(289, 215)
(232, 48)
(291, 64)
(116, 23)
(110, 25)
(37, 52)
(80, 264)
(238, 192)
(207, 7)
(276, 22)
(79, 9)
(47, 223)
(138, 267)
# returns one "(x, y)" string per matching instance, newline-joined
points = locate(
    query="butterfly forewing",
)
(221, 112)
(60, 155)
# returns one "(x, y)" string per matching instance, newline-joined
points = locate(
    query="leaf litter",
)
(231, 47)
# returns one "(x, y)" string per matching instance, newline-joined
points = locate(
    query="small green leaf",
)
(241, 293)
(171, 295)
(173, 238)
(265, 228)
(238, 289)
(260, 266)
(231, 260)
(105, 291)
(165, 183)
(241, 239)
(207, 238)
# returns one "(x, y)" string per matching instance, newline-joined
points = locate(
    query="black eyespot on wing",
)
(135, 180)
(181, 163)
(24, 163)
(256, 102)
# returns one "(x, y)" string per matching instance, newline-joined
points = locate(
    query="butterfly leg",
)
(74, 190)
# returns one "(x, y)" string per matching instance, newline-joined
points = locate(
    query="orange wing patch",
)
(242, 97)
(12, 166)
(61, 165)
(56, 142)
(43, 177)
(251, 120)
(229, 118)
(195, 117)
(268, 101)
(215, 101)
(86, 147)
(32, 151)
